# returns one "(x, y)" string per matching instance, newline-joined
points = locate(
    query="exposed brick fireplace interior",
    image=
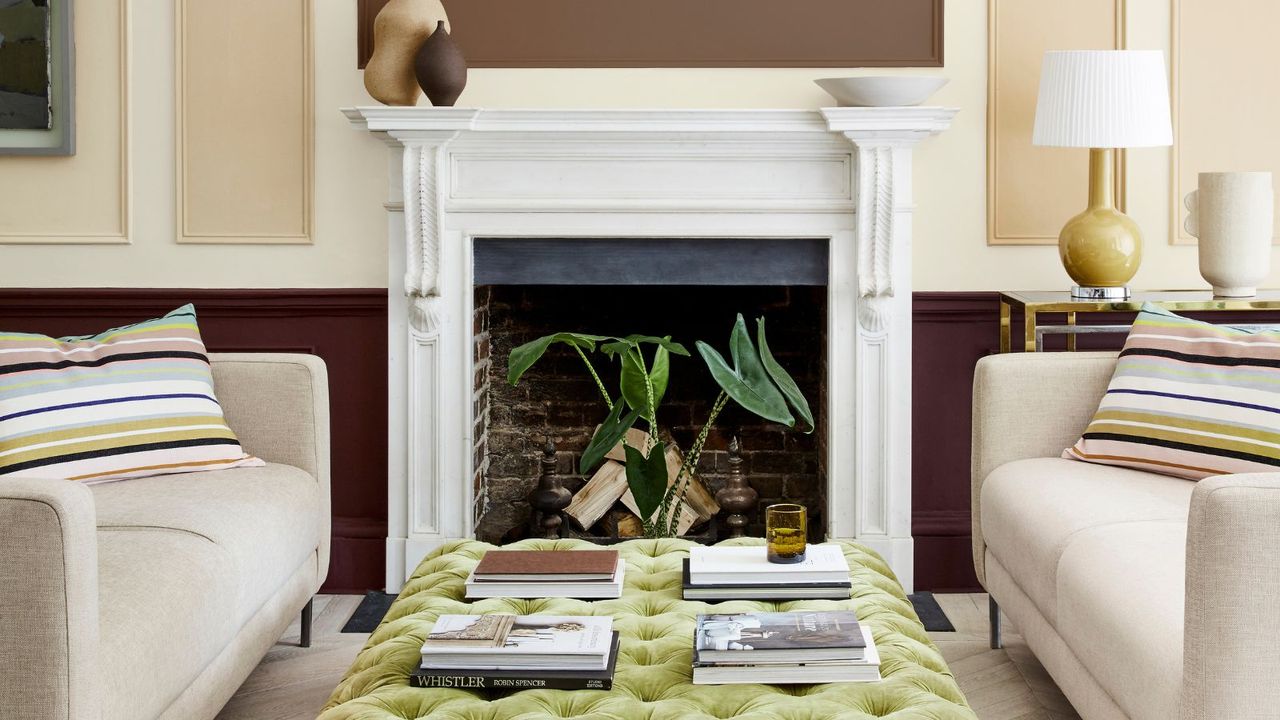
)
(557, 398)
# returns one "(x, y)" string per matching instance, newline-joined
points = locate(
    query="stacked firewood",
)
(606, 498)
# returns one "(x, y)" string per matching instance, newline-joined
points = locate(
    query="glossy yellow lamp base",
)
(1101, 247)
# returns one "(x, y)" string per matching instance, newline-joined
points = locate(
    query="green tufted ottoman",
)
(656, 627)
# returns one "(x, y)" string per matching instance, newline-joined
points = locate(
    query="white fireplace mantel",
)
(841, 174)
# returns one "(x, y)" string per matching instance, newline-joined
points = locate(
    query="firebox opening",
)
(558, 399)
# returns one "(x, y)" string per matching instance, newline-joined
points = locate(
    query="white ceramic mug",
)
(1232, 215)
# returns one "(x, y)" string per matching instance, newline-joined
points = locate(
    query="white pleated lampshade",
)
(1103, 99)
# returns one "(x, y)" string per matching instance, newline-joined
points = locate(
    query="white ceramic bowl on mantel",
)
(882, 90)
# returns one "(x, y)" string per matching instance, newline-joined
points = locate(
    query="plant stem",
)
(600, 385)
(652, 416)
(666, 513)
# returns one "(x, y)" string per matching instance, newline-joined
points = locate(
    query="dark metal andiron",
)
(550, 497)
(737, 497)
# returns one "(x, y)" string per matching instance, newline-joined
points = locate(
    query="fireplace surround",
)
(458, 175)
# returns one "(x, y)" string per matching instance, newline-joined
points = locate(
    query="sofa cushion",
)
(1032, 510)
(167, 605)
(1189, 399)
(267, 519)
(1120, 610)
(129, 402)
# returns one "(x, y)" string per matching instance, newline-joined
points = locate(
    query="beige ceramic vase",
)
(399, 30)
(1232, 215)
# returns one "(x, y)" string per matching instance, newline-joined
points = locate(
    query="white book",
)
(748, 565)
(544, 588)
(864, 670)
(544, 642)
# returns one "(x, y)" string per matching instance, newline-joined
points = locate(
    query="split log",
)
(629, 526)
(636, 438)
(594, 499)
(688, 518)
(699, 499)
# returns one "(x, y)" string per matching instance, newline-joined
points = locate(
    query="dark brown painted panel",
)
(347, 328)
(681, 33)
(951, 331)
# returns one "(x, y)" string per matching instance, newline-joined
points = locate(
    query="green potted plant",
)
(751, 378)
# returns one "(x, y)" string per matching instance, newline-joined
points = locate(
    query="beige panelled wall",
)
(1031, 191)
(1225, 58)
(83, 198)
(350, 168)
(244, 177)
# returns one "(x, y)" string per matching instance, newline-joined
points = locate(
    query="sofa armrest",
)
(1028, 405)
(1230, 662)
(48, 600)
(278, 405)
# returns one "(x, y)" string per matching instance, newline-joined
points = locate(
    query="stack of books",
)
(519, 652)
(783, 648)
(745, 573)
(547, 574)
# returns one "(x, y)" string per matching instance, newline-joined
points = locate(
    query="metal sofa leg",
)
(993, 613)
(305, 640)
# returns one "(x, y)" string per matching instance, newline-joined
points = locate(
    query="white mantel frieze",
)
(843, 174)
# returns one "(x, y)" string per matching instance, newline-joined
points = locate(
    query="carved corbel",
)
(424, 170)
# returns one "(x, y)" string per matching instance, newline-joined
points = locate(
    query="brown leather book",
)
(547, 565)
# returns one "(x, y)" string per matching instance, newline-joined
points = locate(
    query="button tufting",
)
(652, 680)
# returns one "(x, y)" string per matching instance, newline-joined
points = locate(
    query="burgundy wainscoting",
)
(345, 327)
(951, 331)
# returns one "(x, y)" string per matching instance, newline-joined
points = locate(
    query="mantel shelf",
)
(921, 121)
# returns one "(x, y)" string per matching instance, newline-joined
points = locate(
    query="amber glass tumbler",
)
(785, 531)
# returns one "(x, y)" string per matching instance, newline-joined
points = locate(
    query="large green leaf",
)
(633, 378)
(747, 383)
(609, 434)
(647, 478)
(522, 358)
(621, 345)
(783, 379)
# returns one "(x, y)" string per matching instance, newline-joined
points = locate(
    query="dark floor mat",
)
(930, 612)
(372, 609)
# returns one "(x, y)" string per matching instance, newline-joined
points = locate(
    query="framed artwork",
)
(687, 33)
(37, 74)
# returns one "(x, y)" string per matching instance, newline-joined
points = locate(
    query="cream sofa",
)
(1145, 596)
(156, 597)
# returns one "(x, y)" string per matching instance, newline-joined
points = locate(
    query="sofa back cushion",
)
(1189, 399)
(129, 402)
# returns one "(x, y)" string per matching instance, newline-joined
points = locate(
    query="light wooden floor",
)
(292, 683)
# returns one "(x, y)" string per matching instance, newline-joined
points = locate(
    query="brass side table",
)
(1034, 302)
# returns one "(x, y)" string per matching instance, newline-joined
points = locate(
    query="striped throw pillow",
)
(1189, 399)
(130, 402)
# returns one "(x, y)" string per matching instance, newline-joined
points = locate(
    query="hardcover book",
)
(804, 636)
(764, 591)
(748, 670)
(546, 565)
(738, 564)
(525, 641)
(533, 586)
(519, 679)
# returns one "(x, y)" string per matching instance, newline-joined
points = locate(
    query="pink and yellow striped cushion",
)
(130, 402)
(1189, 399)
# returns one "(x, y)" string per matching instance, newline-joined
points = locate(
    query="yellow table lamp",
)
(1102, 99)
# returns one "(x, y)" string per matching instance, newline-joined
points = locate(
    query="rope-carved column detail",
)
(424, 163)
(875, 203)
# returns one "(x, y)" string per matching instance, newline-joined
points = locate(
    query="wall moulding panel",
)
(96, 182)
(244, 177)
(680, 33)
(1032, 191)
(1224, 106)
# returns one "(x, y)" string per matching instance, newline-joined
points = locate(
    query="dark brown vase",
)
(440, 68)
